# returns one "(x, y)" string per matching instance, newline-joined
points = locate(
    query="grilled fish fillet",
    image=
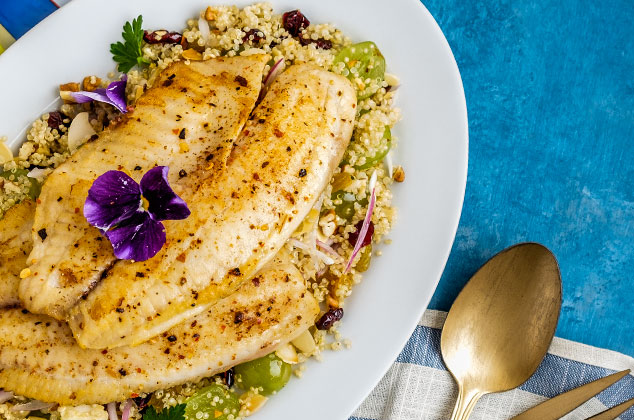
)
(15, 246)
(240, 218)
(40, 358)
(187, 121)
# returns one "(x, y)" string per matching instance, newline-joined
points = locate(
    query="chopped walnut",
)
(91, 83)
(210, 14)
(72, 87)
(328, 224)
(399, 174)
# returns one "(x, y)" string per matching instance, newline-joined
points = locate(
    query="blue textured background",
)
(550, 96)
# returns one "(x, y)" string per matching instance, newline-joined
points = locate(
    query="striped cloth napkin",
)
(418, 386)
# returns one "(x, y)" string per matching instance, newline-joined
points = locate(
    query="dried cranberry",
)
(352, 237)
(329, 318)
(228, 376)
(324, 44)
(162, 37)
(254, 35)
(294, 22)
(142, 402)
(55, 119)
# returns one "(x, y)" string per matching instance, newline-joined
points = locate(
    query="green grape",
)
(371, 161)
(346, 210)
(204, 401)
(363, 60)
(364, 260)
(269, 373)
(34, 190)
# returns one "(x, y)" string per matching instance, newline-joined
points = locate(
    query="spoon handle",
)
(465, 404)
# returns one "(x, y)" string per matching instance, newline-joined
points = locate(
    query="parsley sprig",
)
(173, 413)
(128, 54)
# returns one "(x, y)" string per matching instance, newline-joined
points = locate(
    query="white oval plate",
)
(433, 143)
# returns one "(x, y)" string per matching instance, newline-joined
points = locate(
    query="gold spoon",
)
(499, 328)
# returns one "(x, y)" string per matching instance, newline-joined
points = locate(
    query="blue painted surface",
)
(18, 16)
(550, 96)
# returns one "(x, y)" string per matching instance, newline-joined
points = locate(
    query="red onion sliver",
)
(112, 411)
(125, 414)
(322, 271)
(328, 249)
(5, 396)
(314, 252)
(366, 222)
(275, 70)
(32, 406)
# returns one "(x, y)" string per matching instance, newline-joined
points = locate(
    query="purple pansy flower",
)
(115, 206)
(114, 95)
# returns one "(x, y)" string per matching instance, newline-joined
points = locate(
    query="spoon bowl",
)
(501, 324)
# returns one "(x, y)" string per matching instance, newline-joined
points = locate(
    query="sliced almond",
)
(287, 353)
(193, 55)
(79, 131)
(391, 79)
(5, 153)
(252, 402)
(305, 342)
(66, 96)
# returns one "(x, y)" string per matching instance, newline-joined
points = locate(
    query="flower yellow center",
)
(145, 204)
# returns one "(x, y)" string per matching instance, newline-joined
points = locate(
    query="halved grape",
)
(373, 160)
(269, 373)
(364, 260)
(365, 61)
(212, 402)
(34, 189)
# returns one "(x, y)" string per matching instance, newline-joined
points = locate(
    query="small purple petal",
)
(96, 95)
(113, 198)
(164, 203)
(139, 239)
(116, 94)
(113, 95)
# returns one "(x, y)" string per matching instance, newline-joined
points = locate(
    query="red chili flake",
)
(162, 37)
(352, 237)
(241, 81)
(254, 35)
(294, 22)
(324, 44)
